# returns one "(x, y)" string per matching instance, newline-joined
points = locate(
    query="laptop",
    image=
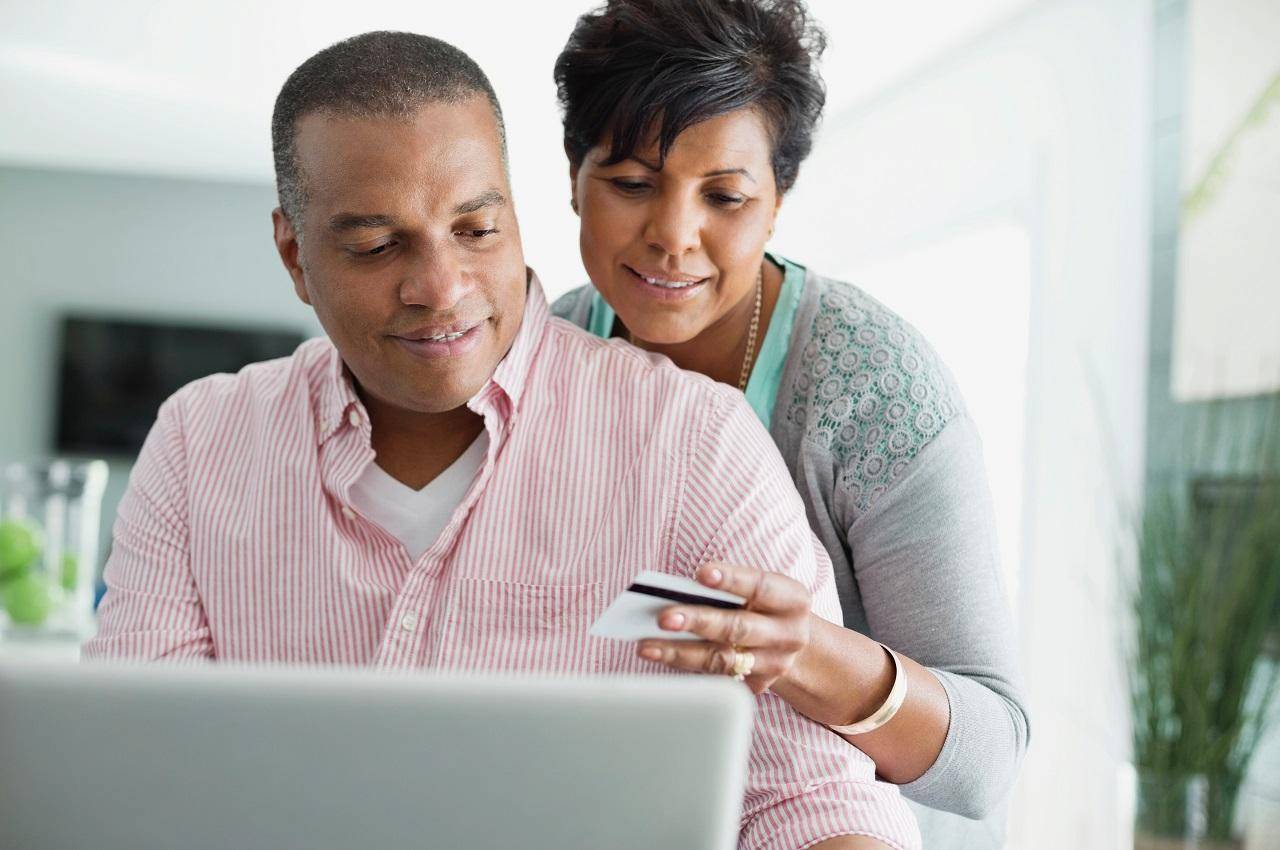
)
(108, 757)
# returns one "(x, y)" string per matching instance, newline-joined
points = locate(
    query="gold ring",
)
(743, 662)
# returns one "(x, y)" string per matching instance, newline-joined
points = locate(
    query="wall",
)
(123, 246)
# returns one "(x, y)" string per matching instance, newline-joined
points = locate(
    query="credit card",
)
(634, 614)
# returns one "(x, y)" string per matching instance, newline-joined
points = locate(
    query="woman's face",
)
(674, 250)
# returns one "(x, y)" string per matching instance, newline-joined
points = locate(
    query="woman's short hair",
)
(633, 66)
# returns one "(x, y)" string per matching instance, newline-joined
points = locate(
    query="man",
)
(452, 480)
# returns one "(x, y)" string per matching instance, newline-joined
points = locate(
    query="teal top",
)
(766, 372)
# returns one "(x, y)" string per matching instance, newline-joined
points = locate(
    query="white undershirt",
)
(416, 517)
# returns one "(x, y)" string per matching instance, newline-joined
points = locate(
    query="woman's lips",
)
(435, 349)
(666, 289)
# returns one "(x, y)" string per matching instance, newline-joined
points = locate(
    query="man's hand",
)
(773, 626)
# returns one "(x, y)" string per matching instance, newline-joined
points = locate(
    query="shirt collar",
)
(337, 396)
(512, 374)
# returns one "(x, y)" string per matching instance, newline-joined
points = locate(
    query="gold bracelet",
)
(883, 714)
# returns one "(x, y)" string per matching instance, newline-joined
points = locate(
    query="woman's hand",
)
(773, 626)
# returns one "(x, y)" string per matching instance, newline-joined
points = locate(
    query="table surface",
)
(50, 649)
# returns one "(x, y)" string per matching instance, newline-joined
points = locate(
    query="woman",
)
(685, 122)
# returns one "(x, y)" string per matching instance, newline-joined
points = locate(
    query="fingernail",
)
(673, 621)
(714, 576)
(652, 653)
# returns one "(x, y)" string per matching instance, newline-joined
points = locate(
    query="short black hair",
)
(632, 65)
(373, 75)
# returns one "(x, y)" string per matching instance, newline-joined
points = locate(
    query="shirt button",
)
(348, 513)
(409, 622)
(354, 418)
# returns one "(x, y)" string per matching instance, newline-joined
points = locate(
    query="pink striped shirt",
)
(236, 541)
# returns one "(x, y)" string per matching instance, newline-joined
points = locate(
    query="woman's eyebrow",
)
(721, 172)
(651, 166)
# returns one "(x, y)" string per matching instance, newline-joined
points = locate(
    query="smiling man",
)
(452, 480)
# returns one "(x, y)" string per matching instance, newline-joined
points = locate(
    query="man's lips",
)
(439, 332)
(439, 342)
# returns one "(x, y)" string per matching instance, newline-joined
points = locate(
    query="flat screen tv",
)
(115, 373)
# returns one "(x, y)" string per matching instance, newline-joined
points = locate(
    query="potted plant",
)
(1202, 607)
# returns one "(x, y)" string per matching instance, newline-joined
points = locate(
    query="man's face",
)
(410, 253)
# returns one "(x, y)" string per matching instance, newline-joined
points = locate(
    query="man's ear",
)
(287, 246)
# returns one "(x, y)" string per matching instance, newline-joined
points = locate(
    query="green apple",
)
(70, 571)
(28, 599)
(19, 546)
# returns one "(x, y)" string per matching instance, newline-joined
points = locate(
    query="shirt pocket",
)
(505, 626)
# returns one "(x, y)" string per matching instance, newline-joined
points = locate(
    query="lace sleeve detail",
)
(870, 390)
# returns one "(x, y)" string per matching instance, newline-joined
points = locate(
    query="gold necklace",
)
(752, 332)
(749, 357)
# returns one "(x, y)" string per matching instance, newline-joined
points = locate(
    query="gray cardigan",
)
(890, 468)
